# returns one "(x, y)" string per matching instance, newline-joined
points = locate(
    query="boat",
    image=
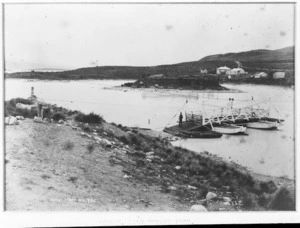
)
(229, 129)
(191, 130)
(201, 134)
(263, 124)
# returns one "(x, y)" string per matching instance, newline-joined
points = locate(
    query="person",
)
(180, 119)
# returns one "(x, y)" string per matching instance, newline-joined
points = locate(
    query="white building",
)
(236, 71)
(223, 70)
(278, 75)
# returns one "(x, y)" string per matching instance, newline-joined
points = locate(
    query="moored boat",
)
(229, 129)
(262, 124)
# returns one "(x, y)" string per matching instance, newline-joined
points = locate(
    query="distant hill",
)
(259, 59)
(252, 61)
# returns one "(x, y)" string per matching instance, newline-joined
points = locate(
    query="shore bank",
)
(111, 167)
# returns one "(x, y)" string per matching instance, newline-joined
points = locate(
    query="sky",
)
(71, 36)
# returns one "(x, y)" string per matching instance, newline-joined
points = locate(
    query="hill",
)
(252, 61)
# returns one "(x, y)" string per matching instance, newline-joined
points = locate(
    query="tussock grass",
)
(89, 118)
(68, 145)
(282, 200)
(58, 116)
(90, 147)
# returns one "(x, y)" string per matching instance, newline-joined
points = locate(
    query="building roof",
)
(224, 68)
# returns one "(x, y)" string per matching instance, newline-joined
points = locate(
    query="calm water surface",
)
(265, 152)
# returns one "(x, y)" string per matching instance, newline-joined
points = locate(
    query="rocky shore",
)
(66, 164)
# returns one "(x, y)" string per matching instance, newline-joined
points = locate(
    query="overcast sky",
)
(83, 35)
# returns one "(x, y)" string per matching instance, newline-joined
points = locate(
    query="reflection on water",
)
(266, 152)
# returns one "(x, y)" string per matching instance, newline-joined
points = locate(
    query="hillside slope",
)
(254, 60)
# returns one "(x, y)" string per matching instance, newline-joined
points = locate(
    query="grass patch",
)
(89, 118)
(90, 147)
(68, 145)
(45, 176)
(249, 201)
(73, 179)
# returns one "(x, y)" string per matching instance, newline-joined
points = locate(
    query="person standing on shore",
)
(180, 119)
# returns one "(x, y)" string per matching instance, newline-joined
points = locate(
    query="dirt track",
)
(42, 175)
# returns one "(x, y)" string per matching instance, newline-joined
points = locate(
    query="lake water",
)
(265, 152)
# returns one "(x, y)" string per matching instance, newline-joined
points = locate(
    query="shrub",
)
(264, 199)
(68, 145)
(282, 200)
(249, 201)
(58, 116)
(268, 187)
(86, 128)
(91, 147)
(123, 139)
(89, 118)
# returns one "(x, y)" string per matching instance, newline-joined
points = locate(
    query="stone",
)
(172, 188)
(20, 117)
(226, 203)
(226, 199)
(60, 121)
(198, 208)
(12, 120)
(126, 176)
(178, 167)
(37, 119)
(106, 142)
(7, 120)
(192, 187)
(211, 195)
(149, 153)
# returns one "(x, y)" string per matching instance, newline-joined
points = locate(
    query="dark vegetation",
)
(89, 118)
(68, 145)
(199, 170)
(187, 82)
(252, 61)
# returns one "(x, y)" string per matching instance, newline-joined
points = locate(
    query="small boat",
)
(229, 129)
(263, 124)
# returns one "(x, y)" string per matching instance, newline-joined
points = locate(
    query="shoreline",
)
(161, 90)
(134, 79)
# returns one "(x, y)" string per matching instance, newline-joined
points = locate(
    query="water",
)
(265, 152)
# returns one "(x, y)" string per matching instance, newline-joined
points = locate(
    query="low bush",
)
(58, 116)
(90, 147)
(282, 200)
(123, 139)
(68, 145)
(89, 118)
(249, 201)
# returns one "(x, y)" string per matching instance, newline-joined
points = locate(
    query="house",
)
(236, 71)
(279, 75)
(157, 76)
(223, 70)
(261, 75)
